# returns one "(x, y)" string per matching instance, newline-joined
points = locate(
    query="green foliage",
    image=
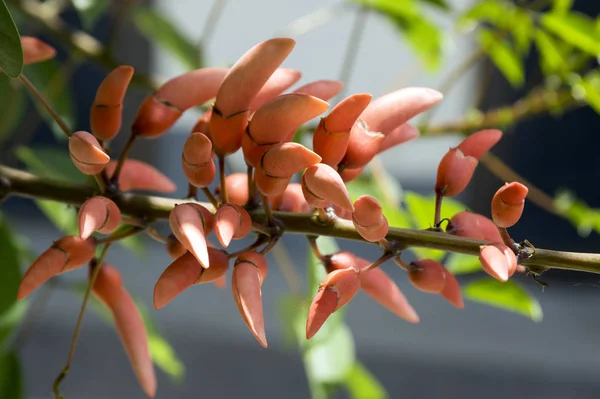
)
(11, 381)
(11, 275)
(361, 384)
(504, 57)
(574, 28)
(11, 52)
(158, 28)
(90, 11)
(12, 104)
(552, 59)
(462, 264)
(508, 296)
(584, 218)
(9, 320)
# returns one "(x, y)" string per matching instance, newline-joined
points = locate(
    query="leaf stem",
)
(115, 177)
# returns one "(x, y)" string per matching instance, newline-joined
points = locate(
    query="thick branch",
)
(151, 207)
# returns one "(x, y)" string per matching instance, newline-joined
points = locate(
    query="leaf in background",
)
(316, 270)
(551, 59)
(462, 264)
(10, 319)
(133, 243)
(11, 381)
(331, 359)
(584, 218)
(574, 28)
(11, 52)
(63, 217)
(522, 30)
(503, 56)
(158, 28)
(12, 104)
(508, 296)
(591, 85)
(492, 11)
(561, 6)
(10, 274)
(90, 11)
(51, 80)
(441, 4)
(361, 384)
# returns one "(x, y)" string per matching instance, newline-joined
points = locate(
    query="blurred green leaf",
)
(508, 296)
(331, 359)
(591, 85)
(361, 384)
(11, 381)
(442, 4)
(462, 264)
(551, 58)
(133, 243)
(584, 218)
(90, 11)
(62, 216)
(11, 52)
(12, 104)
(52, 81)
(160, 29)
(522, 30)
(503, 56)
(574, 28)
(316, 270)
(492, 11)
(10, 319)
(562, 6)
(10, 274)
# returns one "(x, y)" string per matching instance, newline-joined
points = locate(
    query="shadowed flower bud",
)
(451, 291)
(281, 80)
(479, 143)
(399, 135)
(160, 110)
(498, 261)
(363, 145)
(68, 253)
(86, 153)
(242, 83)
(196, 160)
(337, 289)
(138, 175)
(350, 174)
(473, 225)
(323, 186)
(508, 204)
(237, 188)
(98, 214)
(232, 222)
(129, 323)
(454, 173)
(427, 275)
(291, 200)
(35, 50)
(174, 247)
(368, 219)
(188, 224)
(331, 137)
(249, 272)
(323, 89)
(107, 109)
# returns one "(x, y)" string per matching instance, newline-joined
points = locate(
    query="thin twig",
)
(110, 239)
(212, 20)
(210, 197)
(222, 179)
(115, 177)
(381, 260)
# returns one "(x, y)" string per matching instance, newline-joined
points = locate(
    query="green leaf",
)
(132, 243)
(52, 81)
(462, 264)
(561, 6)
(160, 29)
(10, 319)
(330, 360)
(591, 86)
(316, 270)
(62, 216)
(11, 381)
(508, 296)
(584, 218)
(575, 28)
(12, 104)
(503, 56)
(10, 275)
(441, 4)
(361, 384)
(11, 52)
(90, 11)
(492, 11)
(552, 60)
(51, 163)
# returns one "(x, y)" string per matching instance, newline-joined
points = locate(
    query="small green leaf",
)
(159, 28)
(441, 4)
(133, 243)
(584, 218)
(52, 81)
(361, 384)
(63, 217)
(10, 319)
(508, 296)
(503, 56)
(11, 52)
(330, 360)
(90, 11)
(10, 274)
(51, 163)
(11, 381)
(561, 6)
(462, 264)
(316, 270)
(551, 58)
(12, 104)
(492, 11)
(575, 28)
(591, 85)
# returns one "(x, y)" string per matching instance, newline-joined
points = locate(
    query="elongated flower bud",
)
(451, 291)
(138, 175)
(479, 143)
(68, 253)
(188, 225)
(98, 214)
(249, 272)
(281, 80)
(508, 204)
(86, 153)
(331, 137)
(454, 173)
(35, 50)
(237, 188)
(337, 289)
(363, 145)
(323, 186)
(397, 136)
(196, 160)
(427, 275)
(107, 109)
(231, 222)
(174, 247)
(473, 225)
(323, 89)
(368, 219)
(498, 261)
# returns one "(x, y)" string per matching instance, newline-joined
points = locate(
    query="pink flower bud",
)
(427, 275)
(508, 204)
(98, 214)
(498, 261)
(454, 173)
(86, 153)
(323, 186)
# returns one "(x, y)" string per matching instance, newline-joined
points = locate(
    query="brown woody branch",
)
(150, 208)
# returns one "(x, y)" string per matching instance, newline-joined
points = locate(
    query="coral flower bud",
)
(86, 153)
(473, 225)
(196, 160)
(68, 253)
(138, 175)
(451, 291)
(498, 261)
(107, 109)
(323, 89)
(174, 247)
(454, 173)
(479, 143)
(363, 145)
(368, 219)
(35, 50)
(427, 275)
(281, 80)
(188, 225)
(98, 214)
(350, 174)
(508, 204)
(323, 186)
(399, 135)
(237, 188)
(231, 222)
(291, 200)
(249, 272)
(337, 289)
